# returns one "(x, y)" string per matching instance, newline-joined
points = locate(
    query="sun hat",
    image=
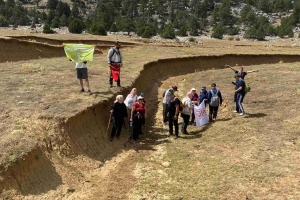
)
(140, 97)
(193, 89)
(175, 88)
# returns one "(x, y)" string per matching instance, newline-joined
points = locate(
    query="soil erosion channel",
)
(79, 145)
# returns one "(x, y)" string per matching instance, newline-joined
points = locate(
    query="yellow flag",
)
(79, 52)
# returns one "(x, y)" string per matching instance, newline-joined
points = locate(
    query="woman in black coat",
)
(119, 114)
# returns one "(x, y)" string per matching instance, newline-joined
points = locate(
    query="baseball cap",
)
(171, 92)
(142, 94)
(140, 97)
(175, 88)
(203, 87)
(213, 85)
(237, 75)
(193, 89)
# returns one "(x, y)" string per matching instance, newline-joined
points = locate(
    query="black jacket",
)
(119, 111)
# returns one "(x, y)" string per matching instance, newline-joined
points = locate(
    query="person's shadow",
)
(256, 115)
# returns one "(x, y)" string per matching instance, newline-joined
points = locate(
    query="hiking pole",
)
(109, 121)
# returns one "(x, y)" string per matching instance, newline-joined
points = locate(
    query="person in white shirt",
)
(114, 59)
(186, 112)
(129, 101)
(82, 73)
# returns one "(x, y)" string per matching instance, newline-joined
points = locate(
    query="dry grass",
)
(254, 157)
(49, 86)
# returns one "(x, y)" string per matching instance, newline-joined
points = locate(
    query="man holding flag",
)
(114, 59)
(80, 53)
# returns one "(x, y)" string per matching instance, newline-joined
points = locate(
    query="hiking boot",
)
(176, 136)
(111, 139)
(110, 85)
(119, 85)
(118, 137)
(185, 132)
(82, 90)
(170, 134)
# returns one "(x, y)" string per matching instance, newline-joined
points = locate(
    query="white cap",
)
(140, 97)
(193, 89)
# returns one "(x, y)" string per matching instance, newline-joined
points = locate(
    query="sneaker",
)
(176, 136)
(235, 111)
(82, 90)
(241, 114)
(89, 91)
(111, 139)
(110, 86)
(170, 134)
(118, 137)
(119, 85)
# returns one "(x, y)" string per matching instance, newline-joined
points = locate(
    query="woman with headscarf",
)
(186, 112)
(129, 101)
(138, 115)
(195, 99)
(119, 114)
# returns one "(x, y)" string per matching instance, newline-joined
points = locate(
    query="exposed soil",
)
(76, 161)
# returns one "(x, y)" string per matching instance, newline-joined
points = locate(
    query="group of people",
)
(114, 60)
(171, 107)
(131, 112)
(212, 97)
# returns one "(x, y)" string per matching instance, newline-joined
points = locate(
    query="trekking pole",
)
(109, 121)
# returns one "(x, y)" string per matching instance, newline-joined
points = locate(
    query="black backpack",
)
(164, 94)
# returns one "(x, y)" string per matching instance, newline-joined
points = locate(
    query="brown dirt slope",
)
(15, 50)
(84, 133)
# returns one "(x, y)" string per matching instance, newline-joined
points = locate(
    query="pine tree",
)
(168, 32)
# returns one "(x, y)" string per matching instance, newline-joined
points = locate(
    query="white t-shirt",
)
(187, 106)
(80, 65)
(167, 99)
(130, 100)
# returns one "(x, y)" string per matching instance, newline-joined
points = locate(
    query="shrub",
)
(168, 32)
(218, 32)
(47, 29)
(230, 38)
(191, 39)
(237, 39)
(3, 21)
(98, 29)
(76, 26)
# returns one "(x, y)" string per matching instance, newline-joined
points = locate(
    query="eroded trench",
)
(85, 133)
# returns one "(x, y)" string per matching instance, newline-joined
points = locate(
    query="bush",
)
(233, 31)
(55, 23)
(3, 22)
(237, 39)
(98, 29)
(47, 29)
(230, 38)
(191, 39)
(168, 32)
(147, 33)
(76, 26)
(218, 32)
(181, 32)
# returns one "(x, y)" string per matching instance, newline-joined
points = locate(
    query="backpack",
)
(247, 88)
(215, 99)
(180, 105)
(164, 94)
(114, 51)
